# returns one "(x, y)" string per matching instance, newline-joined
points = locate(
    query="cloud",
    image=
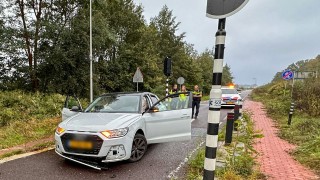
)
(262, 39)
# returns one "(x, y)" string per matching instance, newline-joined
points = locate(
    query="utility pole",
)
(90, 56)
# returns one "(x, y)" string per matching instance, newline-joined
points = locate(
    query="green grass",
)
(19, 133)
(237, 167)
(12, 153)
(33, 148)
(26, 117)
(23, 107)
(42, 146)
(205, 98)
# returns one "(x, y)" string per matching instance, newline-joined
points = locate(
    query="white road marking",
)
(173, 173)
(18, 156)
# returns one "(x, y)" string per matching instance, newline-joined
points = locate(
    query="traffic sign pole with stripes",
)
(290, 113)
(217, 9)
(215, 104)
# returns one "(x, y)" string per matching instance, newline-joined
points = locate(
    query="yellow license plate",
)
(230, 102)
(80, 144)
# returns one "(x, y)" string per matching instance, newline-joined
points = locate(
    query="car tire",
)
(139, 148)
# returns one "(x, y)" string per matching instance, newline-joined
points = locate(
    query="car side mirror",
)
(75, 108)
(154, 109)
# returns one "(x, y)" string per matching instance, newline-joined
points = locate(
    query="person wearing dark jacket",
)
(196, 101)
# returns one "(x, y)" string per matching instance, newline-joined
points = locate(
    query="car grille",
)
(96, 142)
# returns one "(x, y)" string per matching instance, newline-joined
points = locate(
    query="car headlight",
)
(116, 133)
(59, 130)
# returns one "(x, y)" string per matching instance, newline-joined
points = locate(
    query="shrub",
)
(21, 106)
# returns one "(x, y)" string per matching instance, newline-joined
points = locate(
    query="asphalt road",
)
(162, 161)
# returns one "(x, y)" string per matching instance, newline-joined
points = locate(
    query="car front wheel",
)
(139, 147)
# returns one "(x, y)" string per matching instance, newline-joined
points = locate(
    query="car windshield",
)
(229, 91)
(115, 104)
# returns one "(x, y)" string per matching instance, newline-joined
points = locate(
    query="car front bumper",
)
(230, 104)
(104, 149)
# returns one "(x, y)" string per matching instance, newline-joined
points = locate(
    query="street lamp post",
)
(90, 56)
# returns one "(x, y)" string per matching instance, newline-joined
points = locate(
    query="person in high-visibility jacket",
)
(174, 89)
(196, 94)
(182, 97)
(173, 101)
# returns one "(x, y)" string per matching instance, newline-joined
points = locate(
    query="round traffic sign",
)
(287, 75)
(180, 80)
(218, 9)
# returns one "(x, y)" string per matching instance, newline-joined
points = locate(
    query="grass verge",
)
(36, 147)
(239, 161)
(21, 132)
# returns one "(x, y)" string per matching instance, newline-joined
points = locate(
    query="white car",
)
(230, 97)
(119, 126)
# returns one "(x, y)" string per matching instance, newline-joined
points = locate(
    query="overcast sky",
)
(262, 39)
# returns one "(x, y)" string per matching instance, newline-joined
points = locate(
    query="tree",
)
(227, 77)
(205, 61)
(46, 47)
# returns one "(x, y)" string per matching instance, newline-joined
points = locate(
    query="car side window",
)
(154, 99)
(174, 102)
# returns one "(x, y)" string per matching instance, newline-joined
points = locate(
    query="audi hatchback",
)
(119, 126)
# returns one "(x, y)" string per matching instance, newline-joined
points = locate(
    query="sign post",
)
(288, 75)
(167, 71)
(180, 81)
(217, 9)
(138, 77)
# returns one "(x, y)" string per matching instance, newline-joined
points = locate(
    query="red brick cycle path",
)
(273, 157)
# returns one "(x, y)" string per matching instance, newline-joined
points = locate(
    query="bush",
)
(22, 106)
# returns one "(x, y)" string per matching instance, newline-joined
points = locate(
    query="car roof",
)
(128, 93)
(227, 88)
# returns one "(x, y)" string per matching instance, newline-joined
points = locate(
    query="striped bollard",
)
(236, 111)
(215, 104)
(290, 113)
(167, 86)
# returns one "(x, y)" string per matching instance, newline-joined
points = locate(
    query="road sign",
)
(138, 77)
(287, 75)
(180, 80)
(218, 9)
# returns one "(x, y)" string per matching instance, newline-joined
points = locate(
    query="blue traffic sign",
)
(287, 75)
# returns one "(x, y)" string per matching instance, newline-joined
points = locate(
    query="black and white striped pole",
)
(215, 104)
(167, 86)
(167, 71)
(217, 9)
(290, 113)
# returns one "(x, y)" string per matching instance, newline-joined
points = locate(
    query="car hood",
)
(99, 121)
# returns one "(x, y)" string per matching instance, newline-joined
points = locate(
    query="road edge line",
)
(24, 155)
